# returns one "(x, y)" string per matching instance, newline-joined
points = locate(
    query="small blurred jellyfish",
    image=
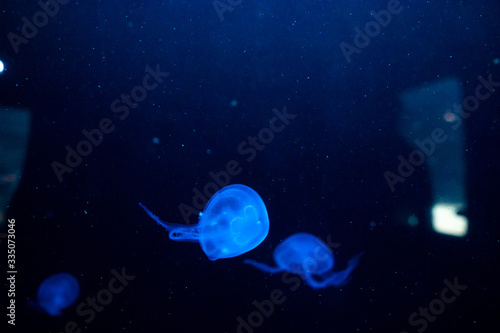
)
(56, 293)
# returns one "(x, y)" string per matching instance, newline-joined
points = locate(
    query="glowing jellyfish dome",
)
(56, 293)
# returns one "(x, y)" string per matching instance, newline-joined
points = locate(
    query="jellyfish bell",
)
(304, 253)
(56, 293)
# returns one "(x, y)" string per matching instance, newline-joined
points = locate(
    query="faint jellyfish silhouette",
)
(233, 222)
(56, 293)
(308, 256)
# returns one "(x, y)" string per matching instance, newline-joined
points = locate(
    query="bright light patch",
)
(445, 220)
(1, 66)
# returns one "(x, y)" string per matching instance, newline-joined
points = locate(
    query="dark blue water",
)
(152, 99)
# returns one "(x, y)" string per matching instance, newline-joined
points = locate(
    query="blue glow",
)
(57, 292)
(1, 66)
(308, 256)
(233, 222)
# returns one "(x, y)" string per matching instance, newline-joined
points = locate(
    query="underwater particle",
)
(2, 67)
(209, 151)
(496, 61)
(373, 224)
(412, 220)
(449, 117)
(156, 140)
(9, 178)
(234, 103)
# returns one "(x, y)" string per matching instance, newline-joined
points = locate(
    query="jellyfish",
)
(308, 256)
(233, 222)
(56, 293)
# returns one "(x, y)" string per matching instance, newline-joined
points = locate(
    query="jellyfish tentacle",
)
(318, 284)
(167, 225)
(177, 232)
(185, 234)
(263, 267)
(336, 279)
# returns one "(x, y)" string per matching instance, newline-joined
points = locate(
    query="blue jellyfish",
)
(56, 293)
(233, 222)
(308, 256)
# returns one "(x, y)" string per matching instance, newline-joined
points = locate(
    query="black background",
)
(322, 174)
